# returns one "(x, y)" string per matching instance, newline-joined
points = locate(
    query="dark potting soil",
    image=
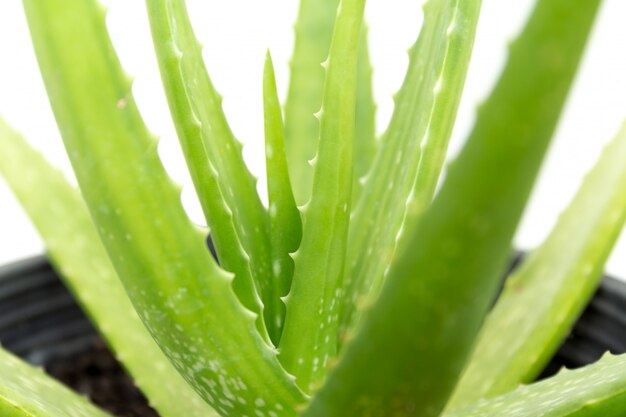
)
(96, 374)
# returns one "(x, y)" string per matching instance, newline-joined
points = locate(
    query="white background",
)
(236, 34)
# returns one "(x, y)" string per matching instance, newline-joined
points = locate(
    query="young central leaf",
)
(310, 335)
(285, 222)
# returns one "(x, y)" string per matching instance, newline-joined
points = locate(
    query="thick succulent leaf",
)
(545, 296)
(59, 214)
(365, 144)
(313, 34)
(227, 191)
(28, 392)
(402, 180)
(413, 342)
(177, 288)
(285, 222)
(310, 334)
(598, 390)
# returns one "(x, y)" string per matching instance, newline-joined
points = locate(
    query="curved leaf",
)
(313, 34)
(177, 288)
(545, 296)
(28, 392)
(59, 214)
(227, 191)
(414, 341)
(597, 390)
(402, 179)
(365, 144)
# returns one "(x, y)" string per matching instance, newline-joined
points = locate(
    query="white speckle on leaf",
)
(276, 267)
(437, 88)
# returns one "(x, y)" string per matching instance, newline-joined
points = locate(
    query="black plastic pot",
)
(41, 322)
(39, 319)
(601, 328)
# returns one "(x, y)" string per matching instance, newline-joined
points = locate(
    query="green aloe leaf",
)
(365, 144)
(310, 334)
(227, 191)
(28, 392)
(177, 288)
(285, 222)
(413, 343)
(597, 390)
(59, 214)
(545, 296)
(402, 179)
(313, 34)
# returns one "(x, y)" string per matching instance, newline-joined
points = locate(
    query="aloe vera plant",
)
(359, 290)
